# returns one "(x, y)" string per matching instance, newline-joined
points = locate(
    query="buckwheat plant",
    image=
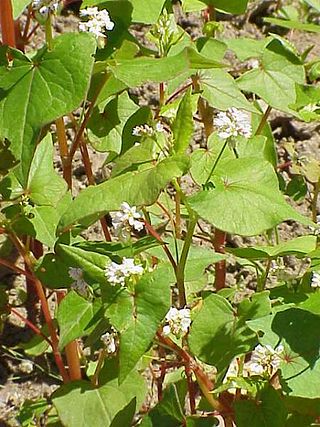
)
(158, 219)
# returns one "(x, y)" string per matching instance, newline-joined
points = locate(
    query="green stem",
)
(183, 259)
(48, 31)
(217, 160)
(262, 283)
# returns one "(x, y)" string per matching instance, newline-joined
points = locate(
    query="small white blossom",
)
(44, 7)
(126, 219)
(26, 366)
(159, 127)
(98, 21)
(110, 340)
(253, 63)
(232, 123)
(117, 274)
(75, 273)
(79, 284)
(142, 130)
(178, 321)
(315, 280)
(265, 360)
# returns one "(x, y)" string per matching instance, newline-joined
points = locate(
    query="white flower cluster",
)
(117, 274)
(110, 340)
(126, 219)
(79, 284)
(45, 7)
(178, 322)
(315, 280)
(98, 21)
(232, 123)
(146, 130)
(264, 360)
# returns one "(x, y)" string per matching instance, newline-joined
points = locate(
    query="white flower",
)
(232, 123)
(75, 273)
(110, 340)
(178, 321)
(79, 284)
(117, 274)
(315, 280)
(142, 130)
(91, 12)
(46, 6)
(126, 219)
(159, 127)
(98, 21)
(265, 360)
(26, 366)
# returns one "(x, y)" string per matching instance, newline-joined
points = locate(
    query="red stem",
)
(13, 267)
(7, 23)
(157, 236)
(220, 267)
(191, 389)
(72, 352)
(33, 327)
(45, 308)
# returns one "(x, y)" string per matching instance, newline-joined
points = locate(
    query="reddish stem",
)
(72, 352)
(191, 389)
(13, 267)
(175, 94)
(31, 325)
(220, 267)
(45, 308)
(7, 23)
(157, 236)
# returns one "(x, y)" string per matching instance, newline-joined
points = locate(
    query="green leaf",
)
(93, 263)
(111, 128)
(275, 80)
(80, 404)
(18, 7)
(140, 188)
(74, 316)
(44, 185)
(222, 92)
(133, 386)
(293, 25)
(168, 412)
(246, 48)
(137, 71)
(298, 247)
(314, 3)
(37, 91)
(218, 334)
(142, 12)
(43, 220)
(269, 410)
(299, 331)
(37, 345)
(257, 204)
(151, 302)
(183, 124)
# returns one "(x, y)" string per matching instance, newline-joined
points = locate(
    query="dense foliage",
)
(138, 322)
